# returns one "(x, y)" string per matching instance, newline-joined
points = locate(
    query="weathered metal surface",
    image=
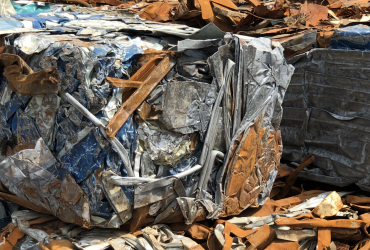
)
(117, 197)
(24, 80)
(187, 106)
(312, 223)
(323, 239)
(27, 175)
(97, 164)
(254, 136)
(261, 238)
(326, 115)
(151, 81)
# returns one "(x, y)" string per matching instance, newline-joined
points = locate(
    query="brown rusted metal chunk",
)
(12, 239)
(159, 12)
(261, 147)
(24, 203)
(312, 223)
(197, 231)
(231, 229)
(341, 246)
(282, 245)
(120, 83)
(262, 238)
(62, 244)
(323, 238)
(139, 218)
(24, 80)
(157, 73)
(346, 234)
(351, 199)
(143, 111)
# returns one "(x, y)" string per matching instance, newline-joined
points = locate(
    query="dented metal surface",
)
(325, 114)
(24, 80)
(151, 138)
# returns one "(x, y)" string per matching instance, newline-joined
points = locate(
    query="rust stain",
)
(24, 80)
(323, 238)
(261, 147)
(312, 223)
(262, 238)
(156, 74)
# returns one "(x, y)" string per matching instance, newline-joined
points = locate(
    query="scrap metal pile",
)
(297, 25)
(313, 219)
(104, 130)
(118, 130)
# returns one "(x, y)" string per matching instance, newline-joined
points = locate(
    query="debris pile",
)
(100, 129)
(297, 25)
(129, 127)
(313, 219)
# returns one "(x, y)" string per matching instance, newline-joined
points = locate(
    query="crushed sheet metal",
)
(242, 190)
(316, 120)
(24, 80)
(30, 168)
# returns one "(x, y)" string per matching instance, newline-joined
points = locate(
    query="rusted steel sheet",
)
(352, 199)
(242, 186)
(230, 228)
(157, 73)
(345, 234)
(24, 80)
(23, 203)
(261, 238)
(12, 239)
(282, 245)
(120, 83)
(323, 238)
(158, 11)
(27, 177)
(312, 223)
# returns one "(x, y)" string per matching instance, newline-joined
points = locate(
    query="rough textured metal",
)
(28, 175)
(187, 106)
(24, 80)
(256, 133)
(151, 81)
